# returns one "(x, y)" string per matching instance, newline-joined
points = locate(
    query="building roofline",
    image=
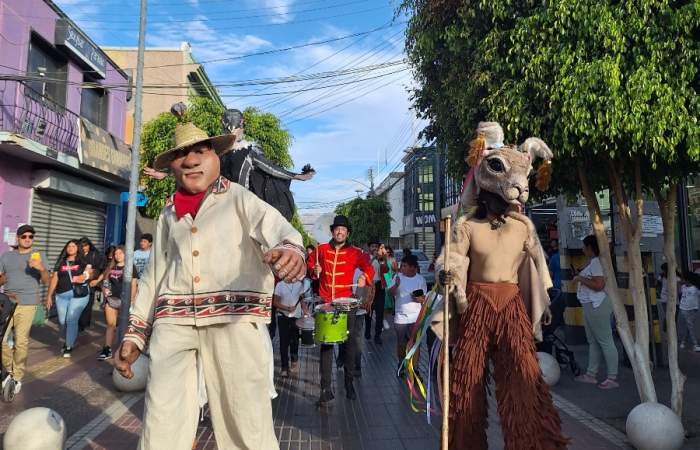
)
(63, 15)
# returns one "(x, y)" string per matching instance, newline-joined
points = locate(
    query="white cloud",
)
(207, 43)
(276, 11)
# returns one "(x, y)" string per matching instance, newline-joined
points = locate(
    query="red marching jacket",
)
(338, 269)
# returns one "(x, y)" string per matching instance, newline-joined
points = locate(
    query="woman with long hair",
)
(112, 288)
(69, 284)
(597, 310)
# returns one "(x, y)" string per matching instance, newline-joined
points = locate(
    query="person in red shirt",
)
(334, 266)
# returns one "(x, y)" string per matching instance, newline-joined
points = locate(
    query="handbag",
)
(79, 290)
(39, 316)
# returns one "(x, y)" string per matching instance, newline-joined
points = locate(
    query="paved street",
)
(99, 417)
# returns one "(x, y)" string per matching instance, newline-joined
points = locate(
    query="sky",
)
(342, 124)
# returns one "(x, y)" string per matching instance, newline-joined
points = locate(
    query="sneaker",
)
(609, 384)
(696, 348)
(66, 352)
(106, 353)
(586, 378)
(294, 366)
(18, 387)
(6, 380)
(326, 396)
(284, 373)
(682, 346)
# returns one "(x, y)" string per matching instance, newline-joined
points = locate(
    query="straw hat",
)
(186, 135)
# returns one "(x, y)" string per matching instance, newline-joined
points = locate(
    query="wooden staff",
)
(446, 344)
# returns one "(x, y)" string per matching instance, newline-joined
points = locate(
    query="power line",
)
(256, 25)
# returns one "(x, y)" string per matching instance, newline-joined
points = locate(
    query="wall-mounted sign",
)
(99, 149)
(70, 37)
(425, 219)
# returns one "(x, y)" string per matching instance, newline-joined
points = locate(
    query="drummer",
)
(334, 266)
(290, 301)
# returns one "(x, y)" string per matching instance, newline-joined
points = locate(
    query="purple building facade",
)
(63, 103)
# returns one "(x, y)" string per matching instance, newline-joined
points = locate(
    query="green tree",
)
(370, 219)
(610, 85)
(159, 133)
(266, 129)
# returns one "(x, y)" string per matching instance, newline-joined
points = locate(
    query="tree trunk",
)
(667, 205)
(637, 354)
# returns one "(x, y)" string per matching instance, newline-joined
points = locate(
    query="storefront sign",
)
(73, 39)
(425, 220)
(100, 150)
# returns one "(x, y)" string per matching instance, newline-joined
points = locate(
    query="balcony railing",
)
(37, 118)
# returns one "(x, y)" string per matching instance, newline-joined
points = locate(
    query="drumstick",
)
(446, 346)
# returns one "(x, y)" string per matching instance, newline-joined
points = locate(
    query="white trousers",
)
(235, 363)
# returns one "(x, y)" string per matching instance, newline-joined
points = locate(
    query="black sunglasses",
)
(27, 236)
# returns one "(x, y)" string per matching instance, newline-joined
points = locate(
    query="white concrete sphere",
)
(36, 429)
(138, 381)
(550, 368)
(653, 426)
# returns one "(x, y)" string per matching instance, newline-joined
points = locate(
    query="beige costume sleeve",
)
(143, 308)
(458, 262)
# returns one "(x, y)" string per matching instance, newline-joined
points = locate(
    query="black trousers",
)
(289, 339)
(86, 315)
(272, 327)
(377, 311)
(357, 332)
(348, 356)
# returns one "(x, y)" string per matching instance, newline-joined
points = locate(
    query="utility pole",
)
(133, 181)
(370, 177)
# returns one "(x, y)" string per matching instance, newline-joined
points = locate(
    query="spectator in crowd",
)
(142, 255)
(555, 263)
(69, 283)
(393, 267)
(96, 262)
(378, 260)
(289, 301)
(112, 280)
(21, 271)
(688, 311)
(597, 310)
(409, 289)
(310, 249)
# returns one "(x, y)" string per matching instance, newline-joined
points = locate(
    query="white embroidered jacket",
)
(210, 269)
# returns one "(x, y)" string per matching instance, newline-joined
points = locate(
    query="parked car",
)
(423, 264)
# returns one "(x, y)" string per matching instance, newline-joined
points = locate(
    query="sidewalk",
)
(98, 417)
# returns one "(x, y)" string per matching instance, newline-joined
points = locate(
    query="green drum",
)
(331, 325)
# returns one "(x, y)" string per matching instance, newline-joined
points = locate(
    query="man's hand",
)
(287, 265)
(127, 354)
(48, 303)
(317, 270)
(153, 173)
(547, 316)
(93, 283)
(446, 278)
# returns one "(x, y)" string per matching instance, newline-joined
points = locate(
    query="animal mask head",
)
(504, 170)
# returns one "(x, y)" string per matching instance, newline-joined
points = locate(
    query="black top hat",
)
(341, 221)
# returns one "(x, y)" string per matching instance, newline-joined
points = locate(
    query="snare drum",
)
(331, 326)
(345, 304)
(307, 326)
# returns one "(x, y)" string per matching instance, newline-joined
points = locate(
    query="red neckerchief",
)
(186, 203)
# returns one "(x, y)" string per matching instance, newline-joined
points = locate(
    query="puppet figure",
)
(500, 279)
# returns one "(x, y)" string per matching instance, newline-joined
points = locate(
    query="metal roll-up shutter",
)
(58, 219)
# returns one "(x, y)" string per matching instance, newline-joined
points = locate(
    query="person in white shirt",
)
(289, 300)
(143, 254)
(688, 312)
(597, 310)
(409, 289)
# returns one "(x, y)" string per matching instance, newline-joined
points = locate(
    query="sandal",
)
(609, 384)
(586, 378)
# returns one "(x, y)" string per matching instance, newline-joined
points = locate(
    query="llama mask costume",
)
(500, 279)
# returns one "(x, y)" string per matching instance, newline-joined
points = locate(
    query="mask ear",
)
(467, 199)
(536, 148)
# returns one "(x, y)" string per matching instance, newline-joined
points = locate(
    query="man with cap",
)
(205, 295)
(334, 266)
(21, 272)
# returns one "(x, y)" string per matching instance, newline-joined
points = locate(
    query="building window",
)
(694, 221)
(48, 72)
(94, 106)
